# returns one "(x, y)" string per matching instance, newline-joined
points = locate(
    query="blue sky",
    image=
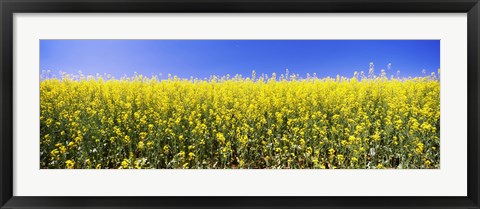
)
(202, 58)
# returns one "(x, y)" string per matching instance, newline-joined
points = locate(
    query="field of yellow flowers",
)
(329, 123)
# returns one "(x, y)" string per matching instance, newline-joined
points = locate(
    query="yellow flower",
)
(309, 150)
(71, 144)
(340, 158)
(191, 156)
(269, 132)
(427, 163)
(302, 142)
(419, 148)
(150, 144)
(62, 149)
(221, 138)
(288, 121)
(125, 163)
(181, 154)
(143, 135)
(241, 163)
(126, 139)
(69, 164)
(331, 151)
(54, 152)
(140, 145)
(78, 139)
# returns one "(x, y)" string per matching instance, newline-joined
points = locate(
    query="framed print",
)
(240, 104)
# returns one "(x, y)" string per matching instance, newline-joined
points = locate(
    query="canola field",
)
(240, 123)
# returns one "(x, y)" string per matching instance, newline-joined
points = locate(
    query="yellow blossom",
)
(69, 164)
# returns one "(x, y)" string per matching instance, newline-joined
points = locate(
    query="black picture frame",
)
(9, 7)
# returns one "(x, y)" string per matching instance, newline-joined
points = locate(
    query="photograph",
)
(239, 104)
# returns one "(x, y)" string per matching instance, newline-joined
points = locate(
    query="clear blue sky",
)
(202, 58)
